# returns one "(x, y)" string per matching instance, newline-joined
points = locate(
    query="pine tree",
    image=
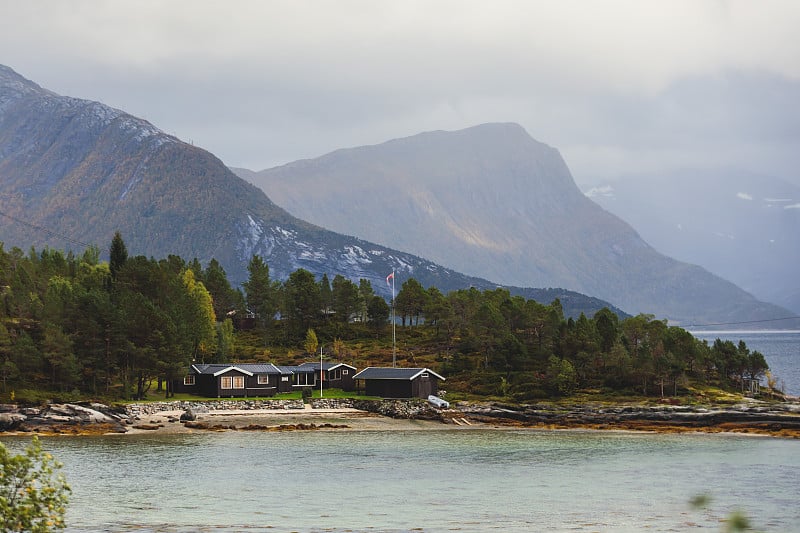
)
(118, 255)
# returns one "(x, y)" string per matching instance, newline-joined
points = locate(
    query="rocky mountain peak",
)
(14, 87)
(75, 171)
(493, 202)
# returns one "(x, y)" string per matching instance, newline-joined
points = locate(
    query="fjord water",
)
(454, 480)
(781, 349)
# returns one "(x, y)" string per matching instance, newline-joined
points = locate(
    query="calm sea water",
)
(458, 480)
(781, 349)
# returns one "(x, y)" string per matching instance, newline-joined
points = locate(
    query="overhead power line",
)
(46, 230)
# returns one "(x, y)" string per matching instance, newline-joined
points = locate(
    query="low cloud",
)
(638, 87)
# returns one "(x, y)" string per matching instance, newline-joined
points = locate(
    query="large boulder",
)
(75, 414)
(191, 414)
(11, 421)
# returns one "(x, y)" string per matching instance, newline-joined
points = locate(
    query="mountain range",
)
(742, 226)
(493, 202)
(75, 171)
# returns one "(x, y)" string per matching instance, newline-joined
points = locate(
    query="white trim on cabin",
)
(228, 369)
(426, 370)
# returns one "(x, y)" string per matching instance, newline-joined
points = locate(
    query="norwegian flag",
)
(389, 277)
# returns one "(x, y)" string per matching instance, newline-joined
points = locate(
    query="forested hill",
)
(493, 202)
(72, 326)
(74, 171)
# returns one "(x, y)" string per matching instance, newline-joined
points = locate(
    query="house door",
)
(425, 388)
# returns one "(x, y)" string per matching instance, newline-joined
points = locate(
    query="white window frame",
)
(337, 374)
(345, 372)
(284, 378)
(238, 382)
(226, 382)
(189, 379)
(306, 380)
(263, 379)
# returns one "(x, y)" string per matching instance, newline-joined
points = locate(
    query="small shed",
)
(389, 382)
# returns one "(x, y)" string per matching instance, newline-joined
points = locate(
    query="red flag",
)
(390, 276)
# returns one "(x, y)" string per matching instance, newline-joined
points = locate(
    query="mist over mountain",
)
(744, 227)
(75, 171)
(492, 202)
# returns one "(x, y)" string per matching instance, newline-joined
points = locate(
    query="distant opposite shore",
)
(778, 419)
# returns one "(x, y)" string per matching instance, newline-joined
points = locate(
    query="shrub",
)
(32, 496)
(307, 394)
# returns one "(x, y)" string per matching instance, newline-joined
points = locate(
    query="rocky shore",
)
(62, 419)
(776, 419)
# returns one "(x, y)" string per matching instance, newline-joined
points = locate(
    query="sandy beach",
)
(344, 419)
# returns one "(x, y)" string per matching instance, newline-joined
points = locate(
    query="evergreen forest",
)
(75, 327)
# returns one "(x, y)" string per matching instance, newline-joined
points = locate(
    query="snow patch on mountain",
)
(250, 235)
(103, 114)
(744, 196)
(606, 191)
(357, 255)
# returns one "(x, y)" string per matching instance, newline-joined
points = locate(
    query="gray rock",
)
(75, 414)
(191, 414)
(10, 421)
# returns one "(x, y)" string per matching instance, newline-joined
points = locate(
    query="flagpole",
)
(320, 371)
(394, 338)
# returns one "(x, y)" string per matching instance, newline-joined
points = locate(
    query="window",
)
(263, 379)
(226, 382)
(238, 382)
(335, 374)
(188, 380)
(284, 378)
(304, 379)
(345, 372)
(424, 375)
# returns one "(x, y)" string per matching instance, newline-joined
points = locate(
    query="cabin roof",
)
(297, 369)
(245, 368)
(251, 369)
(314, 365)
(406, 374)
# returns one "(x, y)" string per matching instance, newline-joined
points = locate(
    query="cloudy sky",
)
(620, 87)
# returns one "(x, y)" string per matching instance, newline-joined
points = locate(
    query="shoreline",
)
(755, 419)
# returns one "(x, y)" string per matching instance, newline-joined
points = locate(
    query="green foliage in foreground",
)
(736, 521)
(33, 496)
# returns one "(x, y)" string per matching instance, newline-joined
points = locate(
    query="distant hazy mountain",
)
(493, 202)
(72, 172)
(745, 228)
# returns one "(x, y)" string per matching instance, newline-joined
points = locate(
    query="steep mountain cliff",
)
(72, 172)
(493, 202)
(743, 227)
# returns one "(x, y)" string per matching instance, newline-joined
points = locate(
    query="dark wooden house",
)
(230, 380)
(258, 380)
(334, 376)
(388, 382)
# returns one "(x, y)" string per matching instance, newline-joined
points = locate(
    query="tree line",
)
(504, 345)
(73, 323)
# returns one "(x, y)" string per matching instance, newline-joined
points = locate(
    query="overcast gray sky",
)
(619, 87)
